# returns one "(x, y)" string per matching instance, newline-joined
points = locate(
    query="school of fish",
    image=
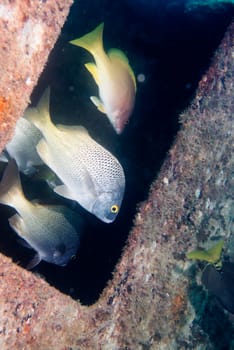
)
(80, 168)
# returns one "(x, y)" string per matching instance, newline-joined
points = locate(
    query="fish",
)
(22, 147)
(220, 283)
(212, 255)
(90, 174)
(113, 75)
(49, 230)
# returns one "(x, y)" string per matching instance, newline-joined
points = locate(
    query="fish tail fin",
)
(40, 116)
(10, 185)
(92, 41)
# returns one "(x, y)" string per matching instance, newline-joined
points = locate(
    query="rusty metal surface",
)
(28, 30)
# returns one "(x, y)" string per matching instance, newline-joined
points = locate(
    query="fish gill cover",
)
(168, 50)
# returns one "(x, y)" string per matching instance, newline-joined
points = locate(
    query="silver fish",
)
(47, 229)
(113, 75)
(22, 147)
(90, 174)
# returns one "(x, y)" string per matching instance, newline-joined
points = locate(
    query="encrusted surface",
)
(146, 305)
(28, 30)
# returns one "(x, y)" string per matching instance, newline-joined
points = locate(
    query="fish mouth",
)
(107, 221)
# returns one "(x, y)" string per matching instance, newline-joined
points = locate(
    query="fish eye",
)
(115, 209)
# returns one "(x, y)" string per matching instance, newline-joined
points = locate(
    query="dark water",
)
(172, 48)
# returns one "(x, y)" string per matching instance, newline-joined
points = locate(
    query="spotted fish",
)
(90, 174)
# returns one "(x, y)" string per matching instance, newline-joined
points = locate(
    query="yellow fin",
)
(92, 41)
(116, 54)
(98, 103)
(40, 116)
(92, 68)
(212, 255)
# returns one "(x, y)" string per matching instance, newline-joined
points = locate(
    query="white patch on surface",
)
(6, 13)
(31, 37)
(197, 193)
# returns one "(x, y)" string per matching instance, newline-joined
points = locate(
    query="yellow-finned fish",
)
(114, 77)
(46, 229)
(90, 174)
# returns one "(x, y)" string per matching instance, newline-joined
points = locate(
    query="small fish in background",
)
(90, 174)
(114, 77)
(22, 147)
(46, 229)
(217, 276)
(212, 255)
(220, 283)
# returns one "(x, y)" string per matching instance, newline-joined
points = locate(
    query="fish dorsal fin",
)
(92, 68)
(92, 41)
(97, 102)
(40, 115)
(10, 186)
(17, 224)
(73, 129)
(44, 102)
(117, 55)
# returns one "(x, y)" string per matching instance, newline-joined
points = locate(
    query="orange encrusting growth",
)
(5, 114)
(4, 107)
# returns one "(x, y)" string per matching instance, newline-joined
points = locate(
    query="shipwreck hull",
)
(147, 304)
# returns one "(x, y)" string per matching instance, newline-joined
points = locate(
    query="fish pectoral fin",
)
(117, 55)
(98, 104)
(17, 224)
(92, 68)
(34, 262)
(63, 191)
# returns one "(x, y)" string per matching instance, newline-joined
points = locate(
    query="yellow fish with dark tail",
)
(114, 77)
